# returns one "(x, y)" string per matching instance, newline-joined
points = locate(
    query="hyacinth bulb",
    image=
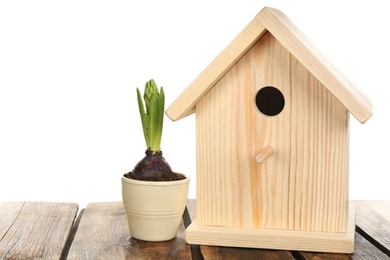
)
(154, 167)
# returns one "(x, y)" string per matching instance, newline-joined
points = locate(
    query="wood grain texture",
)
(305, 51)
(103, 234)
(35, 230)
(335, 242)
(274, 21)
(185, 104)
(373, 219)
(213, 252)
(304, 184)
(191, 207)
(364, 249)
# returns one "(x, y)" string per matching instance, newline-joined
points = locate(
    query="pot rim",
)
(156, 183)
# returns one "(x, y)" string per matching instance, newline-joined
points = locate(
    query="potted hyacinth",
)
(153, 195)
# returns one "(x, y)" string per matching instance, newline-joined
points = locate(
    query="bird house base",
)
(275, 238)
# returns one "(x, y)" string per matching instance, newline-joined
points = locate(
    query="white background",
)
(69, 124)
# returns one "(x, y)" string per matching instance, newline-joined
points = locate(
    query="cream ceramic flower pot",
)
(154, 209)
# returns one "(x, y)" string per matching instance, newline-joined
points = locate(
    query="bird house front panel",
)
(272, 147)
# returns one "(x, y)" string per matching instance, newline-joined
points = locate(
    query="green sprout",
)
(152, 119)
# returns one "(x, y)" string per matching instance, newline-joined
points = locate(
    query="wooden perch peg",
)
(264, 154)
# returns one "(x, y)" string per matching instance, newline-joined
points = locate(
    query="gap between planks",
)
(72, 234)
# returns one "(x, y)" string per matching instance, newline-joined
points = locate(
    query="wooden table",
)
(51, 230)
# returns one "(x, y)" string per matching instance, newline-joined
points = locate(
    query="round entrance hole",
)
(270, 101)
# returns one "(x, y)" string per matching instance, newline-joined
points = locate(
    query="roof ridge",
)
(281, 27)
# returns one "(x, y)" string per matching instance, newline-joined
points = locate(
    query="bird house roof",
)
(275, 22)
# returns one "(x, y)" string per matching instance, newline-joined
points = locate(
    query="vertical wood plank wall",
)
(304, 184)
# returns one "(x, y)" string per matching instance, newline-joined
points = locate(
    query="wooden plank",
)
(363, 250)
(373, 220)
(35, 230)
(191, 207)
(103, 234)
(8, 214)
(366, 250)
(212, 252)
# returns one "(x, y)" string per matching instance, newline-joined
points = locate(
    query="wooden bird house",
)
(272, 138)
